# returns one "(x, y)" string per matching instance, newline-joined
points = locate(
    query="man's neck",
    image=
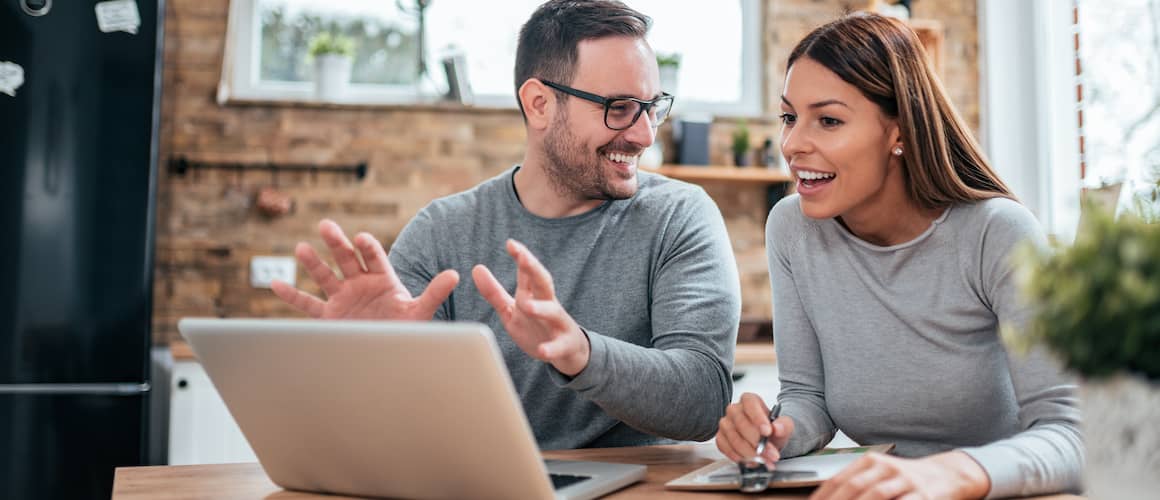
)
(541, 198)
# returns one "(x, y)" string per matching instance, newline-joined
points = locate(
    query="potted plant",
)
(669, 65)
(1098, 310)
(1142, 193)
(331, 54)
(740, 146)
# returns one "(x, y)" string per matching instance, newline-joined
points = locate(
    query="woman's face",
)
(838, 144)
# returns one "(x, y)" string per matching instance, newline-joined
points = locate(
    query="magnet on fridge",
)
(118, 15)
(11, 77)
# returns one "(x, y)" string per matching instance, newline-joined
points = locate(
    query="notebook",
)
(798, 472)
(385, 409)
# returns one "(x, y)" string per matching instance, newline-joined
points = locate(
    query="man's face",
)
(585, 158)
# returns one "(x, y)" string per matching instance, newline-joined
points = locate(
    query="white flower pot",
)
(668, 77)
(1122, 438)
(331, 76)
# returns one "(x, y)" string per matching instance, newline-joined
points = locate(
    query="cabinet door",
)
(201, 429)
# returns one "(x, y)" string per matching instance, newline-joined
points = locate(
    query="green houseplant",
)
(1099, 299)
(740, 144)
(331, 54)
(1098, 310)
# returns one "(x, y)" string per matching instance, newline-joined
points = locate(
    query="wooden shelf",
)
(930, 33)
(181, 351)
(748, 353)
(698, 173)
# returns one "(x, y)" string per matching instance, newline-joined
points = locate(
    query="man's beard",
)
(574, 171)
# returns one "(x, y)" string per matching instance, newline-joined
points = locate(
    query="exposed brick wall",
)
(207, 225)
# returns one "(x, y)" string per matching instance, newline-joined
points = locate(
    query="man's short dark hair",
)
(547, 48)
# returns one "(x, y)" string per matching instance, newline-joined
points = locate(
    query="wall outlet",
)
(265, 269)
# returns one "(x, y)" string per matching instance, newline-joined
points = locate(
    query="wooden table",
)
(248, 481)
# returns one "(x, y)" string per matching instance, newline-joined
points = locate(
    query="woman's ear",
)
(538, 102)
(897, 148)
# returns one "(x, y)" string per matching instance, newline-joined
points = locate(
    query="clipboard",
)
(798, 472)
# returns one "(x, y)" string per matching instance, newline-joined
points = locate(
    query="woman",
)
(891, 281)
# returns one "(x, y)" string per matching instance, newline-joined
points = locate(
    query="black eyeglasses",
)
(622, 112)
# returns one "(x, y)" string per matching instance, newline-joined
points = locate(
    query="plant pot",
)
(331, 76)
(1121, 437)
(653, 156)
(1140, 195)
(740, 159)
(668, 77)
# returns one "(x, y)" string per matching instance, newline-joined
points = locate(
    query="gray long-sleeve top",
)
(901, 345)
(651, 279)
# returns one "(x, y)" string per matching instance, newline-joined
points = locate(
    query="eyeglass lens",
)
(623, 113)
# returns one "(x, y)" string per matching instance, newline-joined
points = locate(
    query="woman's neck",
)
(891, 219)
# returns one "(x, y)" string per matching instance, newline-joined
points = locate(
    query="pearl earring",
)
(898, 151)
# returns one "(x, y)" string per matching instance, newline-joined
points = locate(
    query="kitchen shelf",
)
(704, 173)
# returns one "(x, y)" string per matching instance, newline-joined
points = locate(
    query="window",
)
(720, 72)
(1119, 44)
(1029, 109)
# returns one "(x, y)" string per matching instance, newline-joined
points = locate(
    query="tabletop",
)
(248, 481)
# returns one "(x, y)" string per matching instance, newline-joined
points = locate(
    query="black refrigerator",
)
(79, 105)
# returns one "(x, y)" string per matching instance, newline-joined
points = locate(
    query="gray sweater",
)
(651, 279)
(900, 345)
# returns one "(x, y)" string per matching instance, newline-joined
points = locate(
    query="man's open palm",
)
(370, 292)
(534, 319)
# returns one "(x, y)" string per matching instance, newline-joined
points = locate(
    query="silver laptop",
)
(387, 409)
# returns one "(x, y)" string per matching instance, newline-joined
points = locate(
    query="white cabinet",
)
(201, 429)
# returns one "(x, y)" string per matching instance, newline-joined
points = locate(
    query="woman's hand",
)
(950, 475)
(743, 425)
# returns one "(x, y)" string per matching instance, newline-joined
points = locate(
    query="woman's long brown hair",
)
(883, 58)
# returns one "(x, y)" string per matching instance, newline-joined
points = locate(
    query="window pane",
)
(486, 35)
(710, 61)
(1121, 88)
(708, 41)
(385, 38)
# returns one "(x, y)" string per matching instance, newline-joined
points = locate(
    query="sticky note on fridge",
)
(118, 15)
(11, 77)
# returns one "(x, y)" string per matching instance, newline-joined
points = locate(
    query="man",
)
(621, 331)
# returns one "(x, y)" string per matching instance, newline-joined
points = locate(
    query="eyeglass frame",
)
(607, 103)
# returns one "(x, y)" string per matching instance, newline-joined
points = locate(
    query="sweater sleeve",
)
(413, 256)
(1046, 456)
(695, 311)
(799, 357)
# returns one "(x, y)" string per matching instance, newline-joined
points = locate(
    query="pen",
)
(755, 473)
(773, 414)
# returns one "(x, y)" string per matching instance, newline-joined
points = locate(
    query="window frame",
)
(1029, 124)
(240, 81)
(240, 72)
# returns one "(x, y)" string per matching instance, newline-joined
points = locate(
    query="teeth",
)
(622, 158)
(813, 176)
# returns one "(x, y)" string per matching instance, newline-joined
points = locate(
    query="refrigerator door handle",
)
(90, 389)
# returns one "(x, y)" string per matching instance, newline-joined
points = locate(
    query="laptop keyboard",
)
(564, 480)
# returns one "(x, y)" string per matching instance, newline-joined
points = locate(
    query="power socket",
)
(264, 269)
